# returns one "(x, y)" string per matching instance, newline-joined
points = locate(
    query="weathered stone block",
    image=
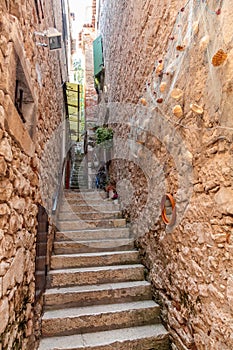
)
(4, 312)
(3, 167)
(34, 179)
(29, 329)
(15, 223)
(3, 223)
(18, 204)
(3, 267)
(0, 287)
(18, 264)
(1, 234)
(5, 149)
(7, 82)
(20, 183)
(4, 209)
(230, 292)
(219, 237)
(6, 190)
(2, 95)
(224, 198)
(7, 246)
(15, 272)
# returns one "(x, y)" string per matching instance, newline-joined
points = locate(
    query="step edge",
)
(74, 312)
(98, 268)
(96, 254)
(111, 286)
(156, 331)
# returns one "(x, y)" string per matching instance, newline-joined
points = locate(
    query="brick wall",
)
(22, 146)
(188, 155)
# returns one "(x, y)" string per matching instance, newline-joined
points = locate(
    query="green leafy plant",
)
(104, 136)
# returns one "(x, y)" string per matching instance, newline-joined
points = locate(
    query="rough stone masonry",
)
(22, 144)
(172, 61)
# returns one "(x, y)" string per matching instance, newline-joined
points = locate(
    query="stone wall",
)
(22, 146)
(164, 145)
(88, 35)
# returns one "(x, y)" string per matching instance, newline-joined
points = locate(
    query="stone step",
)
(96, 195)
(89, 202)
(70, 225)
(88, 190)
(153, 337)
(77, 179)
(68, 191)
(94, 259)
(108, 206)
(64, 216)
(87, 194)
(77, 186)
(81, 184)
(79, 172)
(97, 297)
(94, 275)
(81, 197)
(97, 294)
(85, 246)
(76, 182)
(93, 234)
(99, 317)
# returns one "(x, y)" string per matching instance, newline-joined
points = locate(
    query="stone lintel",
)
(16, 129)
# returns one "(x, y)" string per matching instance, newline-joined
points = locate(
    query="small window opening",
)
(19, 100)
(24, 102)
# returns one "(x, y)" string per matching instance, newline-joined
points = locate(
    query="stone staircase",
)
(78, 178)
(97, 297)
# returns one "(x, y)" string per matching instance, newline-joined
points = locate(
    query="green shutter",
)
(98, 55)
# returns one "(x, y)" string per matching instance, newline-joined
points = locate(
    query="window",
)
(24, 102)
(19, 100)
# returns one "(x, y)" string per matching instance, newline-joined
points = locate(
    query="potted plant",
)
(104, 136)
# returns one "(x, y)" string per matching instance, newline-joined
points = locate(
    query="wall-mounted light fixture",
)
(53, 37)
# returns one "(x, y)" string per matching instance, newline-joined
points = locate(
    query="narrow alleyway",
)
(137, 101)
(97, 296)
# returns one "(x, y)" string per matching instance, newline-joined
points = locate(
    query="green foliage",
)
(103, 135)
